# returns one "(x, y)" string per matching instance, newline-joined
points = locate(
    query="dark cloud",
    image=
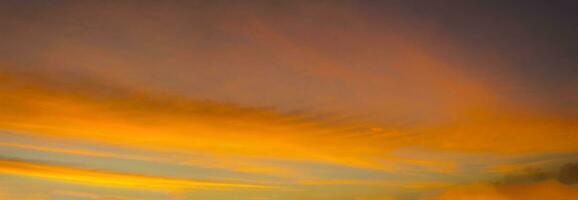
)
(568, 174)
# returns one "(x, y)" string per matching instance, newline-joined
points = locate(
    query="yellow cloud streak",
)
(376, 182)
(110, 179)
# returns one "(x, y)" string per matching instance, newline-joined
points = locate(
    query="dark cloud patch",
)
(566, 174)
(569, 174)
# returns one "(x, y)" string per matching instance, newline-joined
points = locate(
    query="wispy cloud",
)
(110, 179)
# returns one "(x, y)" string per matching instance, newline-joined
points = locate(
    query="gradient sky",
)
(285, 100)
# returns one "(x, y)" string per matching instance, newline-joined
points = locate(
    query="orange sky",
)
(288, 100)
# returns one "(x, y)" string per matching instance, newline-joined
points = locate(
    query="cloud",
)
(378, 182)
(529, 184)
(529, 191)
(375, 198)
(564, 173)
(569, 173)
(110, 179)
(158, 122)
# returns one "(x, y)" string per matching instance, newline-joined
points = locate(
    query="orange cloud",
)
(160, 123)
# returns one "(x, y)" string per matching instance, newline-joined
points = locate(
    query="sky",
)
(285, 100)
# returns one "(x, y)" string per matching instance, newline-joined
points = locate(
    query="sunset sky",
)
(289, 100)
